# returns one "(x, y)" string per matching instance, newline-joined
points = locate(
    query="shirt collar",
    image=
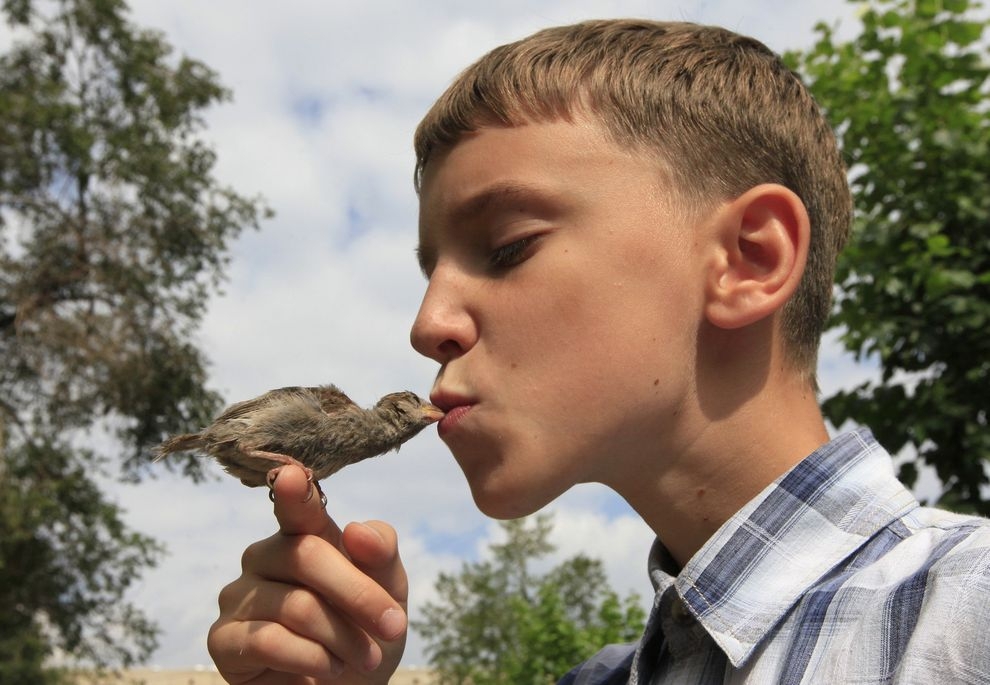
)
(760, 563)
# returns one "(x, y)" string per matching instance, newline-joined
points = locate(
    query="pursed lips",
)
(454, 406)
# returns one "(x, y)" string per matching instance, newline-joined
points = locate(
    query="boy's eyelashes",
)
(513, 253)
(495, 260)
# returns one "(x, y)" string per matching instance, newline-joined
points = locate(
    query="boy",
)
(629, 230)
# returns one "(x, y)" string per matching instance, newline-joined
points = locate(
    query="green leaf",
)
(502, 622)
(914, 286)
(123, 233)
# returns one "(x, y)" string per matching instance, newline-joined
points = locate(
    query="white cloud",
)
(622, 542)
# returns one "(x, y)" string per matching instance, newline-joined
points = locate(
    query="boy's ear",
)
(761, 246)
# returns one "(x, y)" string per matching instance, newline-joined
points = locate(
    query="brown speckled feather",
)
(318, 427)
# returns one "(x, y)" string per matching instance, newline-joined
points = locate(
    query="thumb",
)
(374, 547)
(299, 508)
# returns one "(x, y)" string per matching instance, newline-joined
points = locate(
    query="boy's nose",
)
(443, 329)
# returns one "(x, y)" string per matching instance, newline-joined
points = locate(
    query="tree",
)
(499, 622)
(910, 101)
(113, 234)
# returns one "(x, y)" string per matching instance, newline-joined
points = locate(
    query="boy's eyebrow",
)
(489, 198)
(495, 196)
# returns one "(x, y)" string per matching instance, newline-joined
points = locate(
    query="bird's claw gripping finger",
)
(316, 486)
(270, 480)
(273, 474)
(323, 497)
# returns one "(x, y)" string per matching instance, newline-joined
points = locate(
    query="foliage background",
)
(511, 620)
(113, 235)
(910, 97)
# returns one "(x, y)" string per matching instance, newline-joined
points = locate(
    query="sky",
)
(326, 96)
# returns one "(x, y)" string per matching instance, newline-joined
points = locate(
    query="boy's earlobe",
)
(762, 245)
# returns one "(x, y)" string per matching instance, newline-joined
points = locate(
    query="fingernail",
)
(374, 658)
(392, 623)
(373, 530)
(336, 668)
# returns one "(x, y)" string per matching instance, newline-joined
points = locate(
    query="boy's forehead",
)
(499, 160)
(501, 163)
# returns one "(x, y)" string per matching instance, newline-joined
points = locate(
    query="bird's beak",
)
(432, 413)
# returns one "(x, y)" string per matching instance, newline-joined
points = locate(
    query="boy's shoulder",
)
(942, 599)
(955, 544)
(956, 576)
(930, 565)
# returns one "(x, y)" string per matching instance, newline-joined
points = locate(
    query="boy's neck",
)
(736, 444)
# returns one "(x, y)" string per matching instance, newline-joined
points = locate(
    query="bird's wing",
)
(271, 397)
(332, 399)
(179, 443)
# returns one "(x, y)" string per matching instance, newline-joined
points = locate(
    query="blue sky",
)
(326, 98)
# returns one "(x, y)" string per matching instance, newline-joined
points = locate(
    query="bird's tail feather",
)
(179, 443)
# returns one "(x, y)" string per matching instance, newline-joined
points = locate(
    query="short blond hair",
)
(722, 112)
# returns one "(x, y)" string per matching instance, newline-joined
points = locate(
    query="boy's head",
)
(721, 113)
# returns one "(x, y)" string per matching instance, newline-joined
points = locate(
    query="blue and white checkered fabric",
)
(833, 574)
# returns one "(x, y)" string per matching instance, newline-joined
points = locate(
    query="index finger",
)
(298, 506)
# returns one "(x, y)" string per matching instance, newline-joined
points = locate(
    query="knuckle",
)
(252, 554)
(214, 641)
(229, 597)
(263, 641)
(223, 645)
(302, 607)
(363, 595)
(308, 549)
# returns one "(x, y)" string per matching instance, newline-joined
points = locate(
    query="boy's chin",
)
(503, 511)
(503, 500)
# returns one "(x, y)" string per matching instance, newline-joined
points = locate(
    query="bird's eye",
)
(513, 253)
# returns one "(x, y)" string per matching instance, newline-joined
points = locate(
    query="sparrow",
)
(319, 429)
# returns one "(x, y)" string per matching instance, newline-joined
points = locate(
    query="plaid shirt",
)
(833, 574)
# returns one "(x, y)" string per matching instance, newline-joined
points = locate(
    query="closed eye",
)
(427, 260)
(513, 253)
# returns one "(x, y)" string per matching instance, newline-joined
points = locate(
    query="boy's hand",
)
(312, 600)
